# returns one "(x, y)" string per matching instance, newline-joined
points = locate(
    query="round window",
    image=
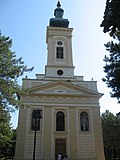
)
(60, 72)
(59, 43)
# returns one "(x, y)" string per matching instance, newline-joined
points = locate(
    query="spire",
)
(59, 21)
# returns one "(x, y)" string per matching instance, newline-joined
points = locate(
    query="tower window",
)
(84, 121)
(60, 121)
(59, 52)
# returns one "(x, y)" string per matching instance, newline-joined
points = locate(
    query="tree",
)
(13, 144)
(112, 69)
(5, 133)
(111, 137)
(111, 21)
(11, 69)
(111, 24)
(7, 136)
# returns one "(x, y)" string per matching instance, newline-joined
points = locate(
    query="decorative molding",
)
(60, 99)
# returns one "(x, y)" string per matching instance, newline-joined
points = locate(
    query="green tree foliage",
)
(111, 136)
(7, 135)
(111, 24)
(11, 69)
(112, 69)
(13, 144)
(111, 21)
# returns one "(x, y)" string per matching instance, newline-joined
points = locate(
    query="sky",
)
(25, 22)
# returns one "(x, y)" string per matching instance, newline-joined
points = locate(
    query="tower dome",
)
(59, 21)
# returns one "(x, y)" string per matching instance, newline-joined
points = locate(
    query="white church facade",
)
(68, 106)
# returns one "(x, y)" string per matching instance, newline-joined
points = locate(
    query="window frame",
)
(59, 50)
(60, 127)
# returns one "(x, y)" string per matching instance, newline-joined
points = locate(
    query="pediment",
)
(62, 88)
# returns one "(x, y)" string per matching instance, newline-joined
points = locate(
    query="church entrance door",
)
(60, 147)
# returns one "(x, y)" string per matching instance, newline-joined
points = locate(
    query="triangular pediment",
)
(61, 87)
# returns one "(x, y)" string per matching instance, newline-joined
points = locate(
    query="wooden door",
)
(60, 147)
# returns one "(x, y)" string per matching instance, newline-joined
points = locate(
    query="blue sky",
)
(25, 22)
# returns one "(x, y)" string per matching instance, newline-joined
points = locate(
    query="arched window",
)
(59, 52)
(60, 121)
(84, 121)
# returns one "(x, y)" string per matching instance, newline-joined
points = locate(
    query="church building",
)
(63, 113)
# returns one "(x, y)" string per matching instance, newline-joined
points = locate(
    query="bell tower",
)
(58, 38)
